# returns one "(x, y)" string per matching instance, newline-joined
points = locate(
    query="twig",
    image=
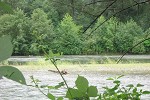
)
(99, 16)
(54, 63)
(131, 49)
(97, 2)
(38, 87)
(114, 15)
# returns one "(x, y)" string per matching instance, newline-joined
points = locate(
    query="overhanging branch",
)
(114, 15)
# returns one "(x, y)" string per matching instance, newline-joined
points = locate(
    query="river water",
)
(85, 58)
(10, 90)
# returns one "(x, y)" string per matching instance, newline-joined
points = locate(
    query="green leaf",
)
(116, 81)
(130, 85)
(52, 55)
(5, 7)
(139, 85)
(134, 90)
(123, 96)
(12, 73)
(50, 96)
(99, 97)
(120, 76)
(6, 48)
(60, 98)
(59, 85)
(146, 92)
(106, 88)
(51, 87)
(115, 87)
(75, 93)
(110, 78)
(82, 84)
(43, 86)
(92, 91)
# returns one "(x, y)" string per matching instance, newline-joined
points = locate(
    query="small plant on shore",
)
(47, 87)
(119, 92)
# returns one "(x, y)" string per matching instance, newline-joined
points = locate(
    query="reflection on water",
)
(10, 90)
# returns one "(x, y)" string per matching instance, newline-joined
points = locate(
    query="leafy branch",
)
(36, 85)
(51, 56)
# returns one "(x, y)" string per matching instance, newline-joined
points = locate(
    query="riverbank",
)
(139, 68)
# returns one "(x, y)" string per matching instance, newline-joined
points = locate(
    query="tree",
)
(42, 32)
(103, 38)
(140, 49)
(67, 39)
(125, 35)
(7, 24)
(16, 25)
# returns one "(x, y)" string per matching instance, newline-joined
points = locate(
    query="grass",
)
(134, 68)
(108, 66)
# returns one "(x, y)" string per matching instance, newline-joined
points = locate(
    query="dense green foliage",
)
(36, 32)
(36, 25)
(9, 71)
(67, 38)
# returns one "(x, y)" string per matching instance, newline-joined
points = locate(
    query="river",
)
(85, 58)
(10, 90)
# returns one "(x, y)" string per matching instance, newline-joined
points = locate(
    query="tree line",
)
(37, 25)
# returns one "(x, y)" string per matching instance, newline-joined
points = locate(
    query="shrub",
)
(103, 36)
(139, 49)
(147, 42)
(124, 37)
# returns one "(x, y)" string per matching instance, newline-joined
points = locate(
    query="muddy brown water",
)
(10, 90)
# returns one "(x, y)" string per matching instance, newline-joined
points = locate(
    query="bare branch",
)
(130, 49)
(97, 2)
(115, 15)
(99, 16)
